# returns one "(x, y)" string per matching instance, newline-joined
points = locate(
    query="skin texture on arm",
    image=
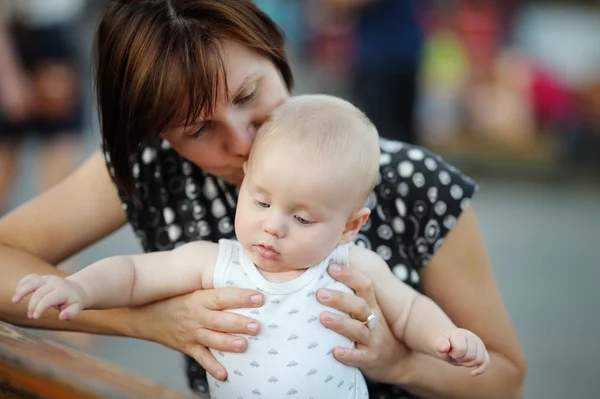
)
(45, 232)
(141, 279)
(459, 279)
(119, 281)
(412, 317)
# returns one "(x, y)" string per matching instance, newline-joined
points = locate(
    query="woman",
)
(182, 86)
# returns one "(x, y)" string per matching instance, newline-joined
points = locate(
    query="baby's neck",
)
(281, 277)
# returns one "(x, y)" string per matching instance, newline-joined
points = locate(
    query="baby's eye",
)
(302, 220)
(261, 204)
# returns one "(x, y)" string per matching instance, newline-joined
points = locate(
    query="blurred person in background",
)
(40, 93)
(388, 53)
(39, 87)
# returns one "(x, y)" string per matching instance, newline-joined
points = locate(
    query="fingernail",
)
(341, 352)
(256, 299)
(335, 268)
(330, 317)
(253, 328)
(324, 294)
(238, 344)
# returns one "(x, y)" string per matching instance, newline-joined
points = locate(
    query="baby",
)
(311, 168)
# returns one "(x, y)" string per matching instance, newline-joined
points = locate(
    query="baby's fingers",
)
(55, 298)
(483, 366)
(38, 296)
(70, 312)
(26, 286)
(460, 346)
(482, 360)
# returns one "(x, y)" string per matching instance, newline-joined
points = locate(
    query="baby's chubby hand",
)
(50, 291)
(463, 348)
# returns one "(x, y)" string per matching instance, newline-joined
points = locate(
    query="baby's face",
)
(291, 213)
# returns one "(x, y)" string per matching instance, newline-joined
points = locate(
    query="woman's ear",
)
(353, 225)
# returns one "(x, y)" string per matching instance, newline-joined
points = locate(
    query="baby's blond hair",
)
(326, 128)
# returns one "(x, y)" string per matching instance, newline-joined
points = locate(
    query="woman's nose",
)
(241, 136)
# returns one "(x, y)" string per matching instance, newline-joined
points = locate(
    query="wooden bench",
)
(35, 368)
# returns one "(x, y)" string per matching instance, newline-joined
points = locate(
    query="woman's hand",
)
(193, 322)
(378, 354)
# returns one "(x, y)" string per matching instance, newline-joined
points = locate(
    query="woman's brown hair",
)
(155, 58)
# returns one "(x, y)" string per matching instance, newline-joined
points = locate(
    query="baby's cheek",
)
(311, 251)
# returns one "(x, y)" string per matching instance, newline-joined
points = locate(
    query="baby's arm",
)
(417, 320)
(123, 281)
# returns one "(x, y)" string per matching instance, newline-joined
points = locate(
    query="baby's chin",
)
(274, 266)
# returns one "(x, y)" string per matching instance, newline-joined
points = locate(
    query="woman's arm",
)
(50, 228)
(459, 279)
(78, 212)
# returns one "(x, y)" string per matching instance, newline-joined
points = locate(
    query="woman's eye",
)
(246, 99)
(302, 220)
(261, 204)
(201, 130)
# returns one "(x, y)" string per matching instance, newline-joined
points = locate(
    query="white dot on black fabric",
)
(403, 189)
(431, 164)
(169, 215)
(186, 168)
(135, 170)
(385, 159)
(174, 232)
(401, 272)
(209, 189)
(416, 154)
(456, 191)
(444, 177)
(406, 169)
(385, 232)
(440, 208)
(432, 194)
(384, 252)
(418, 179)
(400, 207)
(464, 203)
(390, 146)
(414, 276)
(149, 155)
(217, 208)
(398, 225)
(449, 221)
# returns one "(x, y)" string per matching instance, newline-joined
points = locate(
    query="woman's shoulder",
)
(417, 200)
(415, 173)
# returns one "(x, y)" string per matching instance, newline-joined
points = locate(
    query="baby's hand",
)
(50, 291)
(463, 348)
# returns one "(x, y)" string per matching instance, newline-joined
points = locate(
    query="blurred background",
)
(508, 91)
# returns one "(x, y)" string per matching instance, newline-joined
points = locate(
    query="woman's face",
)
(220, 143)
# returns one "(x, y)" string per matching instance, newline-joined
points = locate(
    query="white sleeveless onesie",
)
(292, 355)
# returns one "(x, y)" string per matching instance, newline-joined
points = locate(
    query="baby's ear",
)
(353, 225)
